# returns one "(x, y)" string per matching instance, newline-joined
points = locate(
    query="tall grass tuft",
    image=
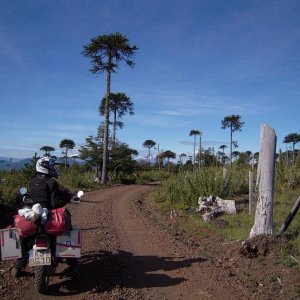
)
(181, 191)
(76, 177)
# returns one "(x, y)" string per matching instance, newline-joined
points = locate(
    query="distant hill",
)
(13, 163)
(19, 163)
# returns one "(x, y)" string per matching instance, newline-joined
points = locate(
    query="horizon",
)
(197, 63)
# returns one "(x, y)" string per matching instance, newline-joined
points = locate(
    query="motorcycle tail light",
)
(42, 241)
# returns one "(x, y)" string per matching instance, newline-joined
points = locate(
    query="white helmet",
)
(47, 166)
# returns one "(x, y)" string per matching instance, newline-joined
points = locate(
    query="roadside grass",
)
(180, 193)
(76, 178)
(238, 227)
(10, 182)
(150, 176)
(297, 291)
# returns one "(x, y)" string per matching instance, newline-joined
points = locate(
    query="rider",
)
(45, 190)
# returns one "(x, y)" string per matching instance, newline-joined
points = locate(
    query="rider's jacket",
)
(46, 191)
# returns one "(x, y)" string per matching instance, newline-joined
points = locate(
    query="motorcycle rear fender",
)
(42, 242)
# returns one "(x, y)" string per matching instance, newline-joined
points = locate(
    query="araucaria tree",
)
(119, 105)
(234, 123)
(194, 133)
(168, 155)
(47, 149)
(149, 144)
(292, 138)
(106, 52)
(67, 144)
(223, 153)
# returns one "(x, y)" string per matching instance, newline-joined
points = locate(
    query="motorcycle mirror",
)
(80, 194)
(23, 190)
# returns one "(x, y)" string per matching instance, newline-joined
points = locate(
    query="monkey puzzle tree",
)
(292, 138)
(47, 149)
(119, 105)
(149, 144)
(222, 147)
(67, 144)
(168, 154)
(234, 123)
(106, 52)
(194, 133)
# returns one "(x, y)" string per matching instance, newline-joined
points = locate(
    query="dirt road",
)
(127, 254)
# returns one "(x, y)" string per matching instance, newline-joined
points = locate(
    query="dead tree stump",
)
(265, 178)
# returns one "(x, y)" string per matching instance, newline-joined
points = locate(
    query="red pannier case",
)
(58, 221)
(24, 227)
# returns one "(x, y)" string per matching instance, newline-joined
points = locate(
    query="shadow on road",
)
(91, 201)
(91, 228)
(105, 271)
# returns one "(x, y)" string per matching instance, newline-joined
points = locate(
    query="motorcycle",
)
(52, 237)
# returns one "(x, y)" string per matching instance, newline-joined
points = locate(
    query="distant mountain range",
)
(19, 163)
(13, 163)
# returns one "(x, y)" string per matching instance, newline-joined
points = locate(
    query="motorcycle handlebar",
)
(76, 198)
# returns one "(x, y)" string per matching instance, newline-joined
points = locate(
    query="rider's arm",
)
(59, 196)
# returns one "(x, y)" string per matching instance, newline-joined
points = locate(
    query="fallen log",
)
(227, 205)
(207, 217)
(212, 206)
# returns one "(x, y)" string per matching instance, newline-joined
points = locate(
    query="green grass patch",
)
(272, 278)
(238, 227)
(180, 192)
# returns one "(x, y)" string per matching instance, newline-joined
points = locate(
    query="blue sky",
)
(198, 61)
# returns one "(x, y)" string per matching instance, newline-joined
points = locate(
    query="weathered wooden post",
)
(265, 178)
(225, 179)
(251, 201)
(290, 217)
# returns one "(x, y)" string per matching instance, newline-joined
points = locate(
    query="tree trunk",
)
(265, 178)
(149, 155)
(105, 139)
(66, 158)
(200, 152)
(114, 129)
(230, 144)
(251, 202)
(293, 153)
(158, 157)
(194, 152)
(225, 179)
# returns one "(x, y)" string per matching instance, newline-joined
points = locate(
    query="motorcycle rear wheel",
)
(41, 279)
